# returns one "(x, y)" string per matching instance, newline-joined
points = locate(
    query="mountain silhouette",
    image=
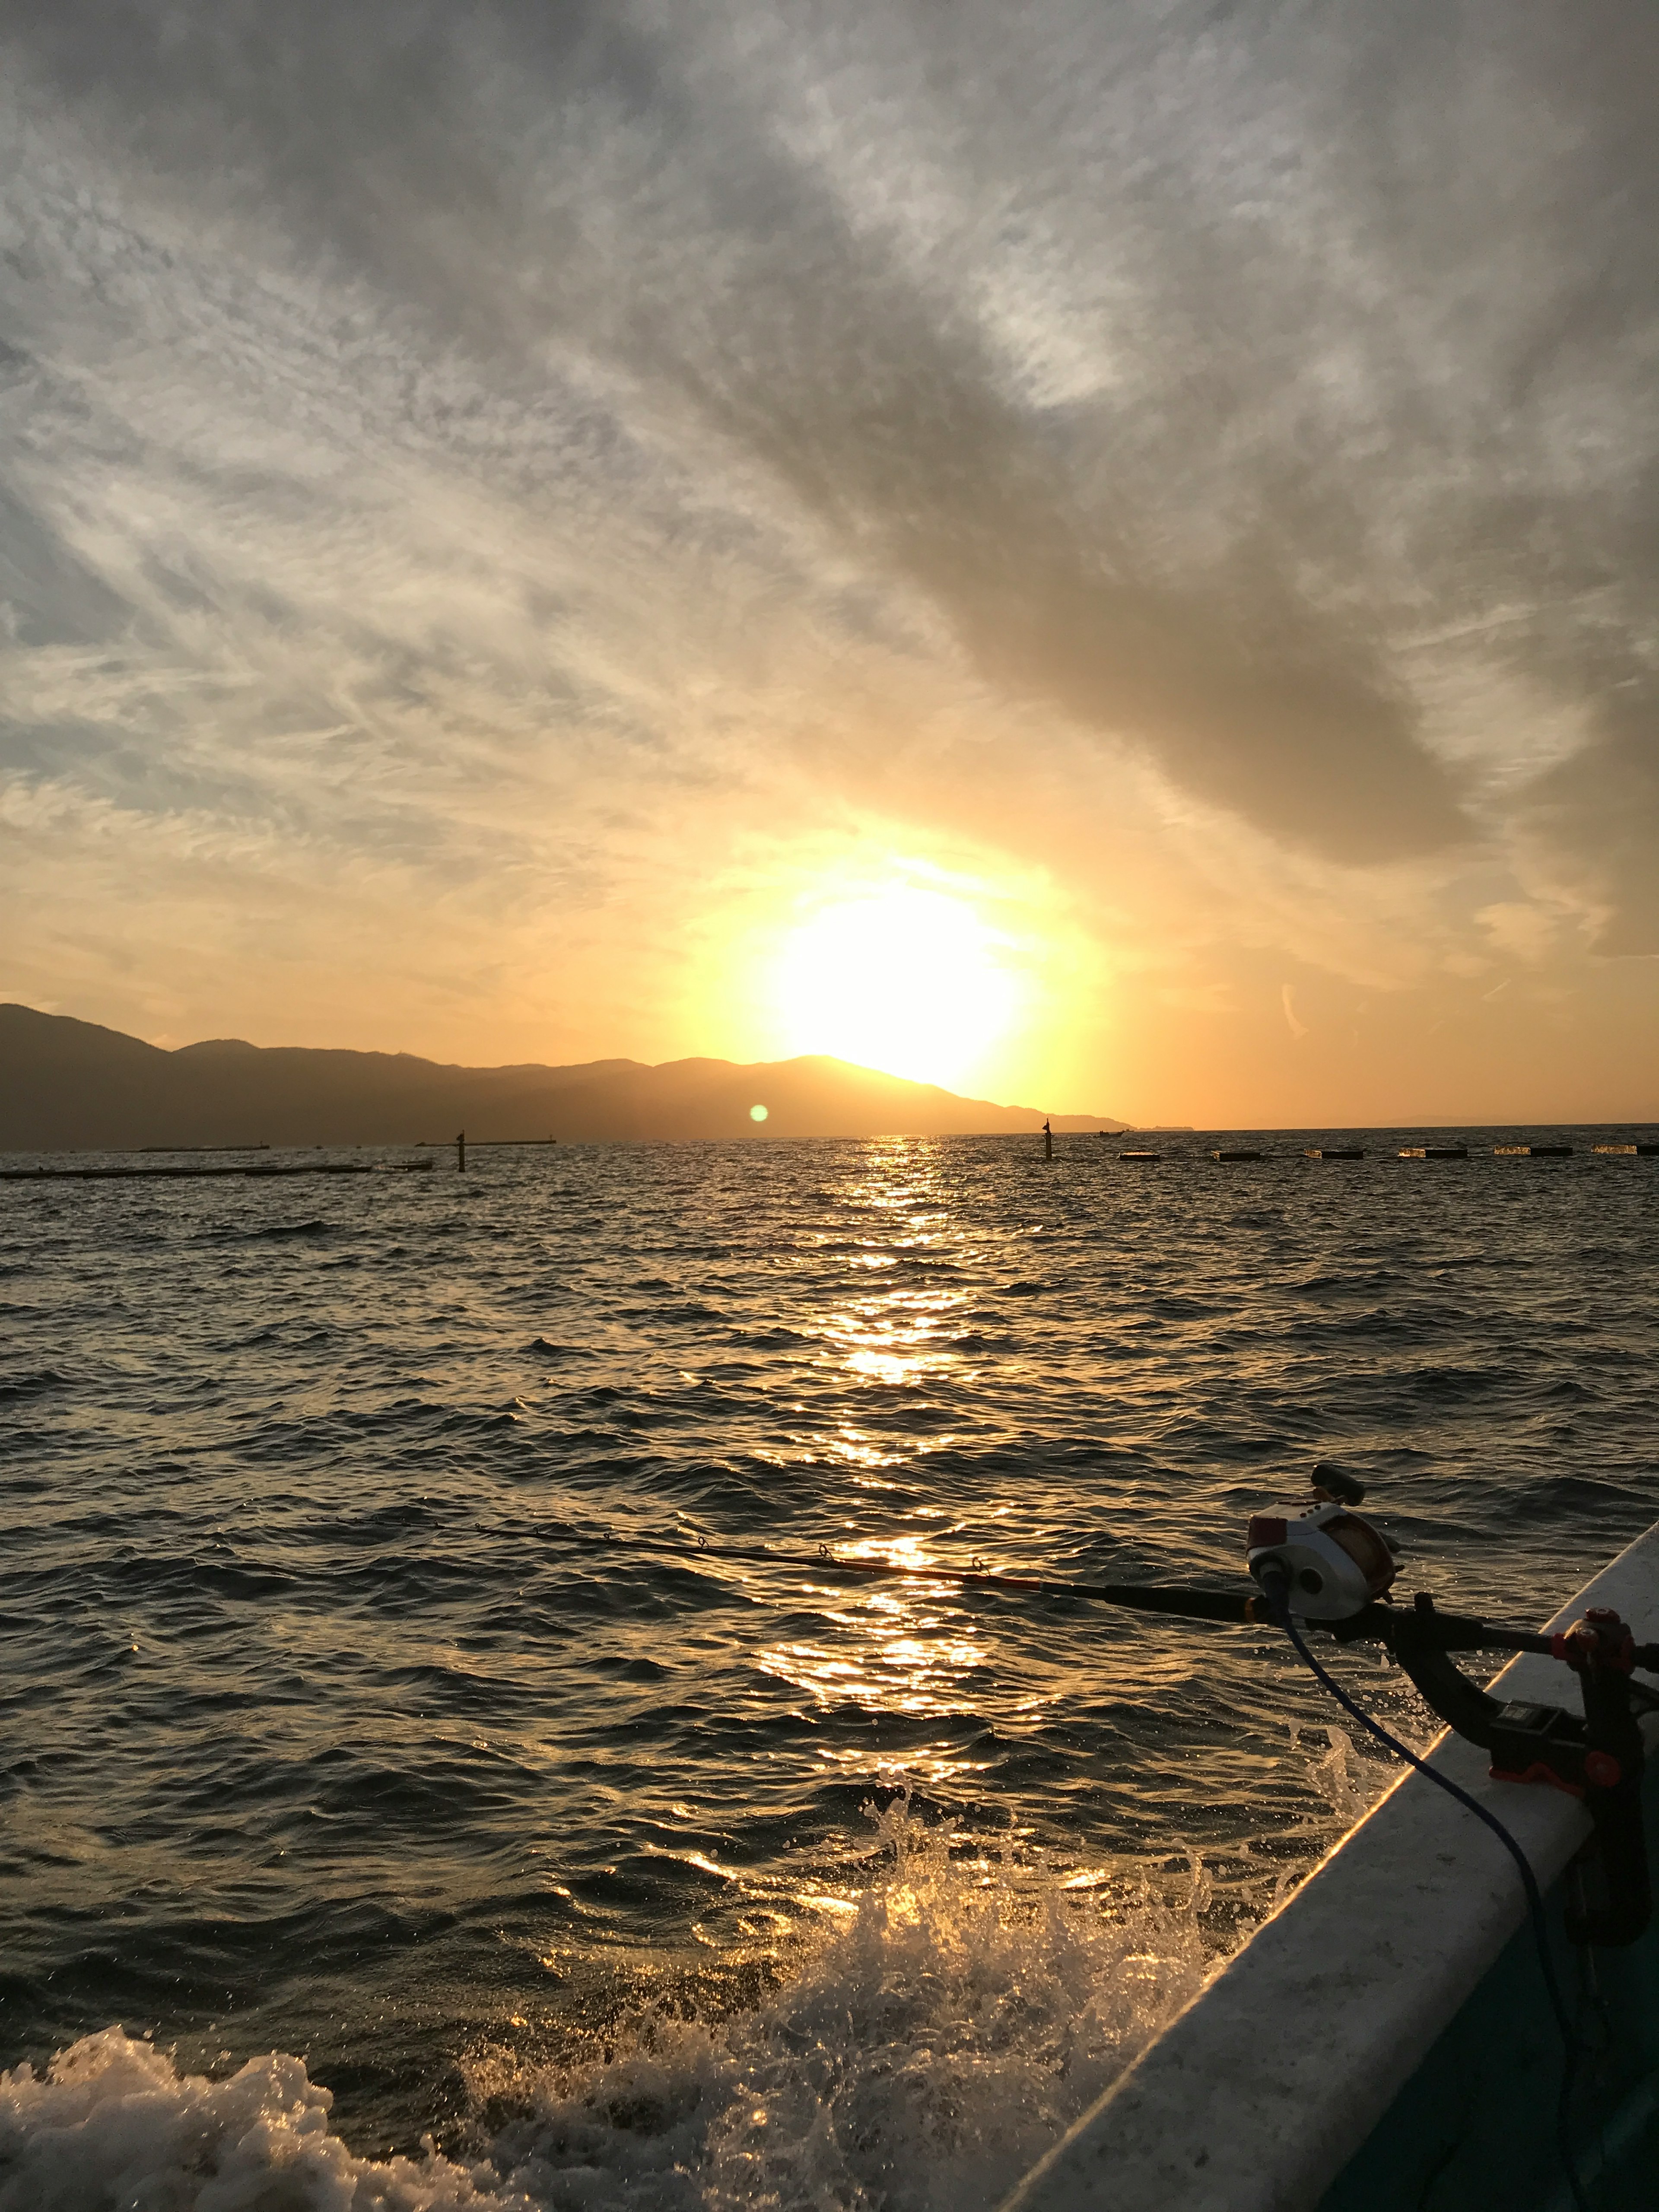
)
(67, 1084)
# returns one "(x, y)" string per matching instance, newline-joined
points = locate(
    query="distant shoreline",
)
(69, 1084)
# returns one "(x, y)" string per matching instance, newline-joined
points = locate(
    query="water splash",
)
(1351, 1784)
(930, 2047)
(945, 2026)
(113, 2123)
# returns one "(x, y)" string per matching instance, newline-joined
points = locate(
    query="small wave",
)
(1455, 1384)
(1344, 1283)
(689, 1309)
(14, 1389)
(290, 1228)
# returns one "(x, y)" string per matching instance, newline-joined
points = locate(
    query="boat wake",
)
(945, 2025)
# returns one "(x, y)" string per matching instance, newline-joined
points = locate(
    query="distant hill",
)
(66, 1085)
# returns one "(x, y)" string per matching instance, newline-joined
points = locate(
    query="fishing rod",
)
(1225, 1608)
(1323, 1565)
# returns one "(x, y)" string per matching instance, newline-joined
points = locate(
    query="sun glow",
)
(910, 979)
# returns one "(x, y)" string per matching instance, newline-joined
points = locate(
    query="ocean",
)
(385, 1824)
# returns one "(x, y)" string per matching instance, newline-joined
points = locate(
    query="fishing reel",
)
(1330, 1566)
(1325, 1562)
(1327, 1566)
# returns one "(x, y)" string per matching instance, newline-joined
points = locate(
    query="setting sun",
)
(908, 979)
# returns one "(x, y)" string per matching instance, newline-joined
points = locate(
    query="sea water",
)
(386, 1825)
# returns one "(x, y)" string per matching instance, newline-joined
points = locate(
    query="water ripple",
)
(341, 1720)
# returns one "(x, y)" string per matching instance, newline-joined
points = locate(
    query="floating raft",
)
(1434, 1152)
(1532, 1152)
(1233, 1153)
(1384, 2040)
(208, 1174)
(1140, 1155)
(1334, 1152)
(1630, 1152)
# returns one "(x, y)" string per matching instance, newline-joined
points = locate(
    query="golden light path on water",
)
(904, 1647)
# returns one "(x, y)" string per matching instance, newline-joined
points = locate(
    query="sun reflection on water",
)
(899, 1338)
(894, 1316)
(895, 1653)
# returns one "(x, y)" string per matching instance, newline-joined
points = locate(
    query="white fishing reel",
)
(1325, 1562)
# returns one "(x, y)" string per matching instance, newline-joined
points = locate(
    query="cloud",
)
(1596, 818)
(515, 454)
(48, 596)
(806, 343)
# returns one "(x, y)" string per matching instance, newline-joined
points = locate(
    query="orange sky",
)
(1112, 568)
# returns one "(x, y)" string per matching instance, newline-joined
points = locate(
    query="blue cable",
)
(1528, 1882)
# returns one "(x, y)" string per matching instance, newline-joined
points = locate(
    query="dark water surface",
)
(326, 1735)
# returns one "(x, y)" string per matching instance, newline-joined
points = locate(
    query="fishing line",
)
(1225, 1608)
(1528, 1882)
(1228, 1608)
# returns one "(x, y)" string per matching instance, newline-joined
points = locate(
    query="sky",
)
(1101, 556)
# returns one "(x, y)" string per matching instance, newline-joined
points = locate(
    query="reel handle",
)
(1332, 1482)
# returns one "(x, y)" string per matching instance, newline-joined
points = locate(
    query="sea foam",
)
(113, 2126)
(947, 2023)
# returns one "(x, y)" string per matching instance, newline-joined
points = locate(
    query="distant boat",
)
(1384, 2041)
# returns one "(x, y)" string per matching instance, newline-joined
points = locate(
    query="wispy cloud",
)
(475, 469)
